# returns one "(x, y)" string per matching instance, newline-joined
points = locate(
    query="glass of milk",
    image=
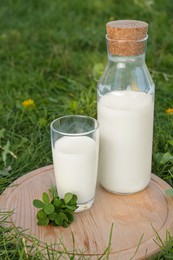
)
(75, 147)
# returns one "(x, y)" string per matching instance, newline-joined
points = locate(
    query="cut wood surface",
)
(137, 219)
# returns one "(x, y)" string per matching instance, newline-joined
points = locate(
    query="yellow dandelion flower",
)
(169, 111)
(28, 103)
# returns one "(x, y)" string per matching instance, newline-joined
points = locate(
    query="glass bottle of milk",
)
(125, 110)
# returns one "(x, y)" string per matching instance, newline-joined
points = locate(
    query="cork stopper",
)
(126, 37)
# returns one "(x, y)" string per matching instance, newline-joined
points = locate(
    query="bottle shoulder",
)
(125, 76)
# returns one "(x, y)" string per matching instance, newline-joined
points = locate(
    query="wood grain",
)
(136, 218)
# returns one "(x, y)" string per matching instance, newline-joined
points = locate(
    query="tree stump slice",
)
(137, 219)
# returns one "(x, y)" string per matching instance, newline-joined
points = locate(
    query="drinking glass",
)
(75, 148)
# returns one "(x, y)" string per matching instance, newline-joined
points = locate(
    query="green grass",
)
(54, 52)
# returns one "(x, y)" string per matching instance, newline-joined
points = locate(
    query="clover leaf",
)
(38, 204)
(45, 198)
(68, 196)
(56, 211)
(49, 208)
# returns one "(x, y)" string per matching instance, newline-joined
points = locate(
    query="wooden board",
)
(136, 217)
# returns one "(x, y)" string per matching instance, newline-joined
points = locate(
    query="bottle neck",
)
(139, 59)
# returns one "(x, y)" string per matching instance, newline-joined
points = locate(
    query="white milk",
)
(126, 130)
(75, 165)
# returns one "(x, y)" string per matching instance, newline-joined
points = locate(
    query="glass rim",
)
(128, 41)
(97, 125)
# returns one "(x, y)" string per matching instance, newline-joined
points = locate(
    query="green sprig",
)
(56, 211)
